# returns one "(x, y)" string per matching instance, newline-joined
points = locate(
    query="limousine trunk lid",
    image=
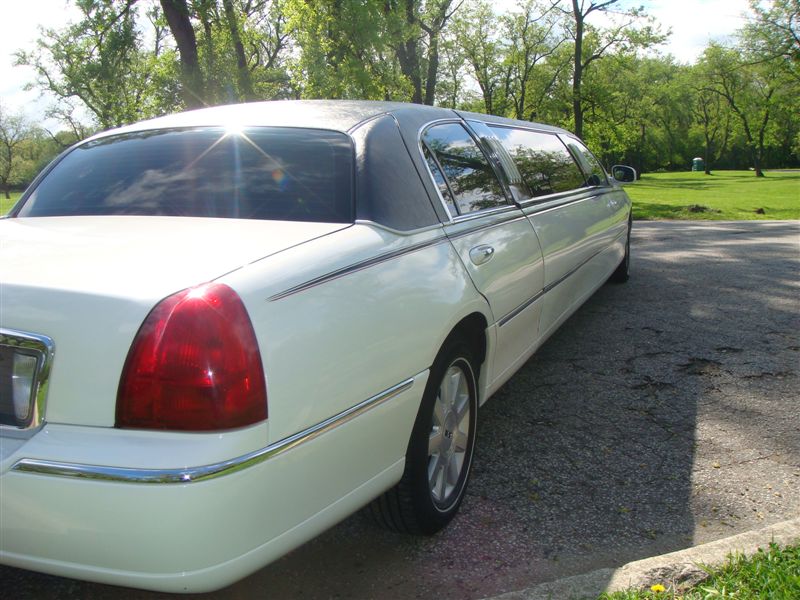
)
(87, 284)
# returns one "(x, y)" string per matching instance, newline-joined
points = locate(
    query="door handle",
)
(481, 254)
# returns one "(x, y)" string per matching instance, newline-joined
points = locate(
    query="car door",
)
(569, 213)
(494, 239)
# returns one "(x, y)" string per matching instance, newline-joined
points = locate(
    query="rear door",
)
(573, 215)
(494, 239)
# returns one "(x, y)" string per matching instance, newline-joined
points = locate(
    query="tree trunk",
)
(433, 67)
(245, 82)
(177, 14)
(754, 154)
(577, 103)
(408, 53)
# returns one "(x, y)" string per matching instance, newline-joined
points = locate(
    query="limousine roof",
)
(336, 115)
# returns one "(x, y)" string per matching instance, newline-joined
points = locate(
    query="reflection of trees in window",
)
(472, 180)
(547, 171)
(542, 159)
(262, 173)
(597, 175)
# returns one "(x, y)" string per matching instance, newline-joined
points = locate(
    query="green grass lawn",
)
(773, 573)
(5, 205)
(725, 195)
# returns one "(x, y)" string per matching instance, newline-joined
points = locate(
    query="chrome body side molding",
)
(212, 471)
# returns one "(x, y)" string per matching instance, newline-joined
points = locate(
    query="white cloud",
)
(695, 23)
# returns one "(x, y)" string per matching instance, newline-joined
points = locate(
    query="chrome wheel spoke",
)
(462, 409)
(439, 411)
(436, 475)
(435, 440)
(460, 439)
(453, 470)
(450, 386)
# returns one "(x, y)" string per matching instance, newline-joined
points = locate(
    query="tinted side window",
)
(544, 162)
(261, 173)
(438, 177)
(470, 177)
(596, 175)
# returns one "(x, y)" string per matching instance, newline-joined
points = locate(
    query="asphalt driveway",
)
(663, 414)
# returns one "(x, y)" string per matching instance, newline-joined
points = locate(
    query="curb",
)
(674, 569)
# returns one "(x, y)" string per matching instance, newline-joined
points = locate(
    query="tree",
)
(752, 89)
(178, 17)
(712, 114)
(99, 61)
(14, 130)
(415, 31)
(476, 32)
(344, 50)
(369, 48)
(619, 36)
(775, 33)
(533, 37)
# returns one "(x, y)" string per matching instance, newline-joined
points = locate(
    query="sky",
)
(694, 23)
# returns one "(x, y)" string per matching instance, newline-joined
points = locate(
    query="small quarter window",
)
(543, 160)
(466, 169)
(438, 177)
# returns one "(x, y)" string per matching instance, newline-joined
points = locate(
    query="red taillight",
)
(194, 365)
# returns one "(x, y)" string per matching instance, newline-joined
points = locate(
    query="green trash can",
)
(698, 164)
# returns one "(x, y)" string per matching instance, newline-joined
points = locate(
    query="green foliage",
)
(7, 203)
(775, 33)
(772, 573)
(345, 50)
(16, 156)
(725, 195)
(99, 60)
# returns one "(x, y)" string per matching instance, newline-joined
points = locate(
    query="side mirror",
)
(623, 174)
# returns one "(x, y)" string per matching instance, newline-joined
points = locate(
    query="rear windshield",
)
(264, 173)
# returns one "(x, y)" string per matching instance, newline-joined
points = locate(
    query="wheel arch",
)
(473, 330)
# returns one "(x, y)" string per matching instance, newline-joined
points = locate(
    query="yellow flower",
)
(658, 588)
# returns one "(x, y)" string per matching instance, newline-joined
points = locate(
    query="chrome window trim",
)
(212, 471)
(487, 212)
(537, 208)
(531, 127)
(453, 233)
(44, 348)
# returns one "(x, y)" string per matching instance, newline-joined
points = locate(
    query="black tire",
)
(623, 271)
(433, 484)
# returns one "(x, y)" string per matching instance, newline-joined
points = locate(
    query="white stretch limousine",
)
(225, 330)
